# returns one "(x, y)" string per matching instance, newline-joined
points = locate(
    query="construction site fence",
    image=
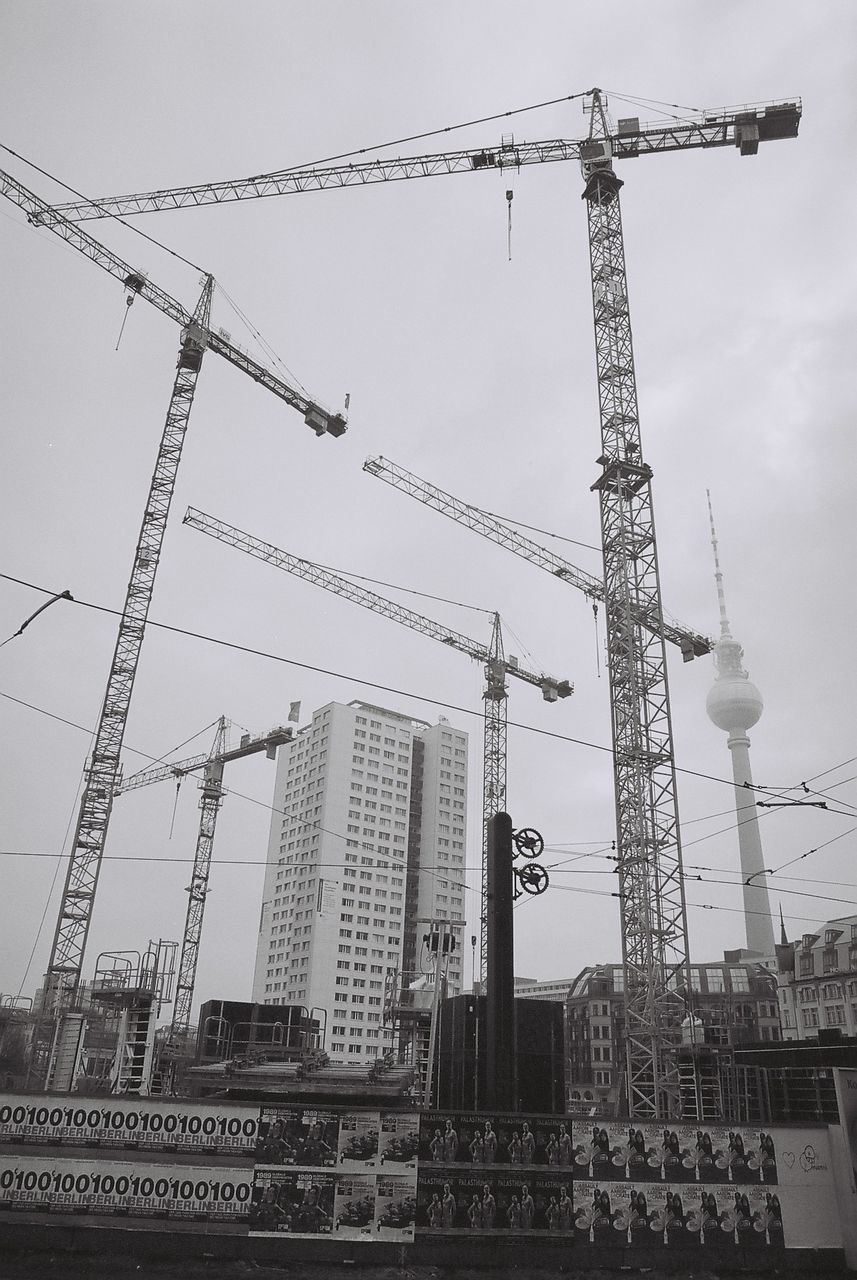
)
(297, 1172)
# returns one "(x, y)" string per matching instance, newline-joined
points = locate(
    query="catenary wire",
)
(137, 230)
(372, 684)
(274, 809)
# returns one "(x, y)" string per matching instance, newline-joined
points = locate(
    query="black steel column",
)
(500, 1001)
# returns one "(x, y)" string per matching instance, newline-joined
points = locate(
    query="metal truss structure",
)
(653, 911)
(497, 667)
(213, 793)
(651, 886)
(743, 126)
(691, 643)
(103, 770)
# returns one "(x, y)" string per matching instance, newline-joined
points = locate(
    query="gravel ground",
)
(47, 1266)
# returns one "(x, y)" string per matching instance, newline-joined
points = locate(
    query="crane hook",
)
(134, 283)
(510, 195)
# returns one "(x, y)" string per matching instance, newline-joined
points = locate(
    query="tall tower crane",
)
(654, 923)
(497, 665)
(103, 772)
(211, 786)
(691, 643)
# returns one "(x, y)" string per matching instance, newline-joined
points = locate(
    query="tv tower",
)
(734, 704)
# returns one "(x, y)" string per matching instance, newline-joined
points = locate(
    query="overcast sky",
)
(475, 372)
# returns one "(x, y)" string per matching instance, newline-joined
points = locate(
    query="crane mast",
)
(496, 667)
(197, 891)
(211, 766)
(654, 920)
(104, 768)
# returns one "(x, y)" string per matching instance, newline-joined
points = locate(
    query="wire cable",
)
(137, 230)
(603, 748)
(418, 137)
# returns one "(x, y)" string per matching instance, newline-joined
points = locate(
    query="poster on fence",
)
(395, 1206)
(307, 1136)
(514, 1140)
(120, 1189)
(607, 1151)
(297, 1202)
(494, 1202)
(399, 1141)
(354, 1206)
(358, 1140)
(139, 1124)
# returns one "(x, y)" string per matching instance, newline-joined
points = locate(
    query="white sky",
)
(473, 371)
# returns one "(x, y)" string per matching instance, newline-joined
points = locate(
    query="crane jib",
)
(742, 127)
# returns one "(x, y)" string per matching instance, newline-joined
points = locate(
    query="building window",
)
(806, 966)
(835, 1015)
(809, 1017)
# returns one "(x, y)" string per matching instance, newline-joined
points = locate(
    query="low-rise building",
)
(729, 1004)
(817, 982)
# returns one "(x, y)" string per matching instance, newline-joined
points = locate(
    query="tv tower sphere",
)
(733, 703)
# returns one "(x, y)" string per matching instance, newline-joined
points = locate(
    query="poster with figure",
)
(593, 1215)
(524, 1143)
(395, 1206)
(438, 1200)
(535, 1201)
(292, 1201)
(306, 1136)
(499, 1201)
(399, 1140)
(458, 1138)
(609, 1152)
(439, 1138)
(358, 1140)
(354, 1206)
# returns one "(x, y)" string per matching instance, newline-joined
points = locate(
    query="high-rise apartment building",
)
(367, 837)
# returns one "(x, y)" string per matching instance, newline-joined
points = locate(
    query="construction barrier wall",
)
(304, 1172)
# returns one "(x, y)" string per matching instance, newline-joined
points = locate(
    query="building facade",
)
(817, 982)
(367, 838)
(731, 1004)
(549, 989)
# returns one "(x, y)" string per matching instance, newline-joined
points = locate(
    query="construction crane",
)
(104, 768)
(691, 643)
(138, 284)
(497, 665)
(211, 785)
(654, 919)
(743, 127)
